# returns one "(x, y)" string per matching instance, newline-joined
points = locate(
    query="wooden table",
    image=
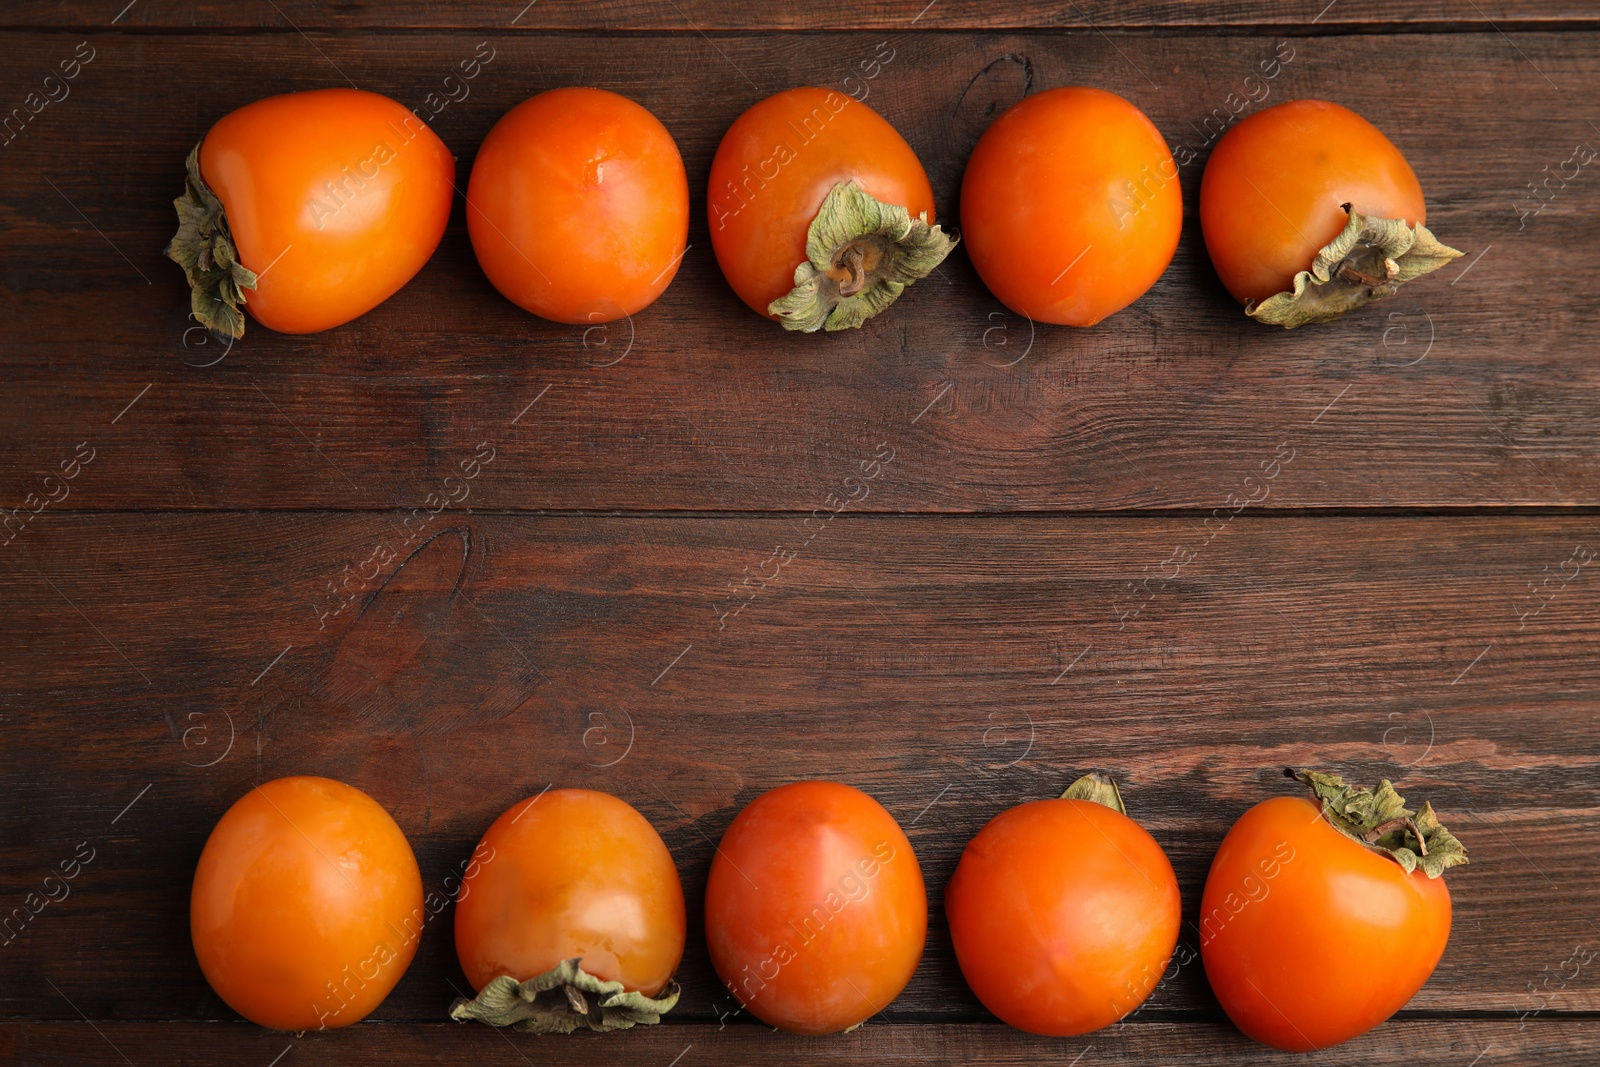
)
(1411, 598)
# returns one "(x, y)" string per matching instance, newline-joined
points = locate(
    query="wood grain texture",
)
(1443, 398)
(951, 558)
(950, 666)
(1482, 1042)
(687, 16)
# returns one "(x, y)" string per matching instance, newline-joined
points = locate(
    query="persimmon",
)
(570, 915)
(307, 905)
(816, 912)
(309, 209)
(1321, 918)
(1070, 207)
(1309, 211)
(1064, 912)
(820, 212)
(578, 206)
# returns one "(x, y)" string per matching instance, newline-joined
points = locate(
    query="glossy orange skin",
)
(1070, 206)
(816, 913)
(1064, 914)
(307, 905)
(1308, 938)
(1273, 188)
(578, 206)
(336, 198)
(775, 166)
(572, 872)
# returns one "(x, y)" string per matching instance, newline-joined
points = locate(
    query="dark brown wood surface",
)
(244, 581)
(1203, 16)
(1481, 1042)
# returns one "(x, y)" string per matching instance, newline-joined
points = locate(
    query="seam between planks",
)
(1264, 29)
(1442, 512)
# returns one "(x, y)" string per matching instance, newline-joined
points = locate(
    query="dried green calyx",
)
(1370, 259)
(1099, 788)
(860, 255)
(563, 999)
(1380, 820)
(203, 247)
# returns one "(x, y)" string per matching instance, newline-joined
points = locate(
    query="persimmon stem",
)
(851, 259)
(1351, 273)
(861, 253)
(1368, 260)
(1384, 827)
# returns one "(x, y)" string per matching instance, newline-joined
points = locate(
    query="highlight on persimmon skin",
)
(1070, 206)
(310, 209)
(578, 206)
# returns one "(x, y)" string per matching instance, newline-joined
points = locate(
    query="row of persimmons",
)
(310, 208)
(1320, 917)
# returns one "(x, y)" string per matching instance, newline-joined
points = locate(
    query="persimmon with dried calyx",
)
(578, 206)
(1070, 206)
(1321, 917)
(319, 205)
(1309, 211)
(820, 212)
(1064, 912)
(570, 916)
(307, 905)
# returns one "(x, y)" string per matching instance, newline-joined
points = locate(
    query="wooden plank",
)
(1447, 397)
(1494, 1043)
(688, 16)
(155, 666)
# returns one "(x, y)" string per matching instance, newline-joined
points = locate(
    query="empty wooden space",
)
(1193, 16)
(245, 580)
